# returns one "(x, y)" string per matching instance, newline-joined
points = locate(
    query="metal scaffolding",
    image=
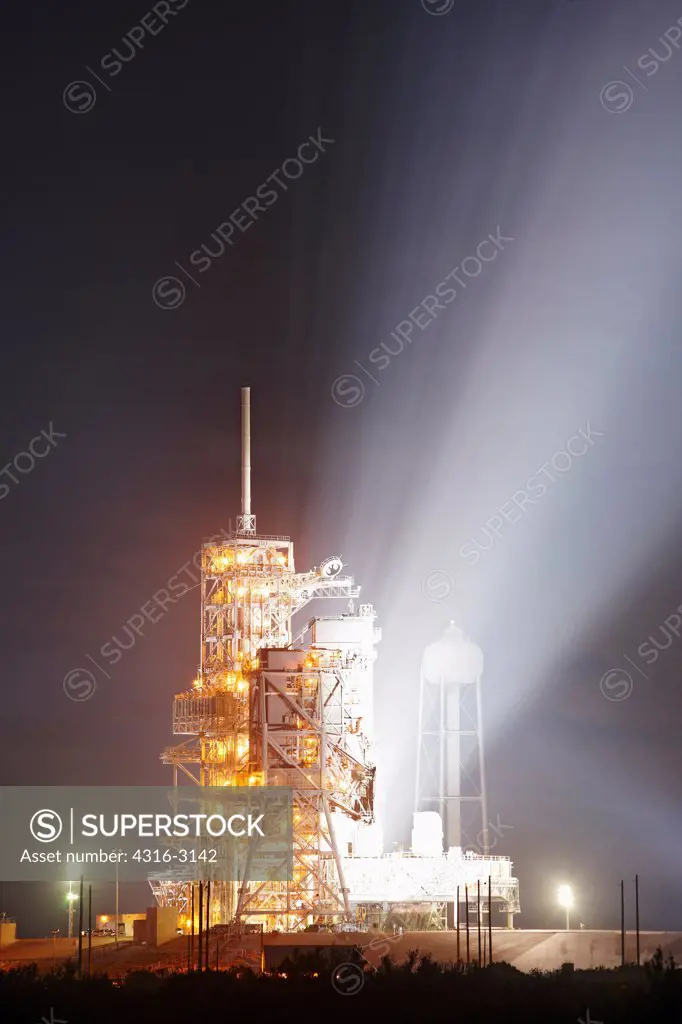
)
(263, 713)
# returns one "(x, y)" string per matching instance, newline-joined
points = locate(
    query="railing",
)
(244, 533)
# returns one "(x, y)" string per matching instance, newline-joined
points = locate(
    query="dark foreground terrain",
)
(315, 986)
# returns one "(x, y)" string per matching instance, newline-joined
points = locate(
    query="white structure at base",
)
(408, 878)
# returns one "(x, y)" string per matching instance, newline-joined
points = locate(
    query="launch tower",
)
(270, 708)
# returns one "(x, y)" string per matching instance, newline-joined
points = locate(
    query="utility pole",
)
(80, 931)
(116, 925)
(191, 934)
(457, 906)
(637, 913)
(208, 921)
(490, 920)
(190, 910)
(478, 917)
(201, 925)
(466, 910)
(89, 930)
(622, 923)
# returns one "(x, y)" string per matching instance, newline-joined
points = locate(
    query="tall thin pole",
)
(89, 929)
(208, 920)
(246, 451)
(184, 919)
(201, 926)
(490, 920)
(466, 911)
(80, 931)
(637, 913)
(622, 922)
(478, 917)
(457, 909)
(116, 932)
(191, 934)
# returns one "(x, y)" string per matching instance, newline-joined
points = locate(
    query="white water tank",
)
(453, 660)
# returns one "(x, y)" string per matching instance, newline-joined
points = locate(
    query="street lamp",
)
(565, 898)
(71, 898)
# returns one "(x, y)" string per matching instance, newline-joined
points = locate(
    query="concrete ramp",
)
(591, 949)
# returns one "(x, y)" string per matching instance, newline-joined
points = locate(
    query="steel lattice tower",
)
(267, 710)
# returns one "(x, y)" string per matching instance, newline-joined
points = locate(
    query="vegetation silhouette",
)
(338, 983)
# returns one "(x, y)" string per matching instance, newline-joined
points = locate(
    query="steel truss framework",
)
(304, 713)
(251, 722)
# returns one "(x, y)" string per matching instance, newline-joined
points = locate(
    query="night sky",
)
(435, 126)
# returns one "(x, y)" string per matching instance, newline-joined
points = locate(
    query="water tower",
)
(450, 765)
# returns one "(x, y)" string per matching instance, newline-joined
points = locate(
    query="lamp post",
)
(116, 925)
(565, 899)
(71, 898)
